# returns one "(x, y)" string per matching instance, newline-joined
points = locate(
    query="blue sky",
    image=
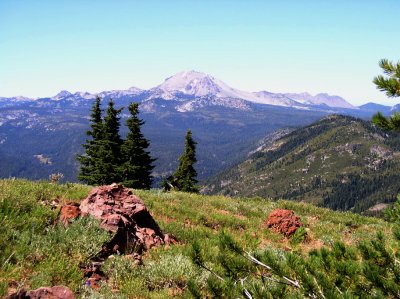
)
(279, 46)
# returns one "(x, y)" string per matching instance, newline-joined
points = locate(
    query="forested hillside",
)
(339, 162)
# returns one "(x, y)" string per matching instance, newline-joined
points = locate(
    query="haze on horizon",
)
(294, 46)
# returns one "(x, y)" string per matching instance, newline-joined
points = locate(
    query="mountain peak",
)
(62, 94)
(134, 89)
(191, 83)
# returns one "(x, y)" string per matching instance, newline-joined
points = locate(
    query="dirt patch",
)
(312, 244)
(225, 212)
(378, 207)
(165, 218)
(312, 220)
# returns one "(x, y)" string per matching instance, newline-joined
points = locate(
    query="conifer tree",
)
(184, 178)
(137, 163)
(89, 171)
(390, 84)
(109, 150)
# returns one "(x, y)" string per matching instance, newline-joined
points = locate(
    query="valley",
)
(226, 122)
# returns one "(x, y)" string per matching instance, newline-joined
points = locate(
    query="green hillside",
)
(338, 162)
(37, 251)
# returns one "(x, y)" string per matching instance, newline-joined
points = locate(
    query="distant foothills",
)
(39, 137)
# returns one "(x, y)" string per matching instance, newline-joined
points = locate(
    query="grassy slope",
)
(36, 252)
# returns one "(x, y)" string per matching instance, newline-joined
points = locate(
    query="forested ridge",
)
(339, 162)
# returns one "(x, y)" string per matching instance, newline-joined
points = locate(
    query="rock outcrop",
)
(123, 214)
(56, 292)
(283, 221)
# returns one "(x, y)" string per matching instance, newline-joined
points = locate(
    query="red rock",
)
(69, 212)
(56, 292)
(125, 215)
(283, 221)
(127, 218)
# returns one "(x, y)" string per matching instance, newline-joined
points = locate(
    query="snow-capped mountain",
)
(196, 84)
(192, 84)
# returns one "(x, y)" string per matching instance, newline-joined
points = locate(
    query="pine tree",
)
(184, 178)
(369, 270)
(88, 171)
(137, 163)
(390, 84)
(109, 150)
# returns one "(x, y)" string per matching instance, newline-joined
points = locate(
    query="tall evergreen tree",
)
(88, 171)
(184, 178)
(390, 84)
(109, 150)
(137, 163)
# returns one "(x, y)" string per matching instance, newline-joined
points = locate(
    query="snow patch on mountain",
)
(276, 99)
(84, 95)
(202, 102)
(132, 91)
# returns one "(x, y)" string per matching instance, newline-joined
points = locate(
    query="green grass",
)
(37, 251)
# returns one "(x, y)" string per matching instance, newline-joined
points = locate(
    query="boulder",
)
(283, 221)
(56, 292)
(123, 214)
(126, 216)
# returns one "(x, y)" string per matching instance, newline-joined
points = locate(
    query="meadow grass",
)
(36, 250)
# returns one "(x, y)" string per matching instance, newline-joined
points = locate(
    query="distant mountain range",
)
(226, 122)
(195, 89)
(339, 162)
